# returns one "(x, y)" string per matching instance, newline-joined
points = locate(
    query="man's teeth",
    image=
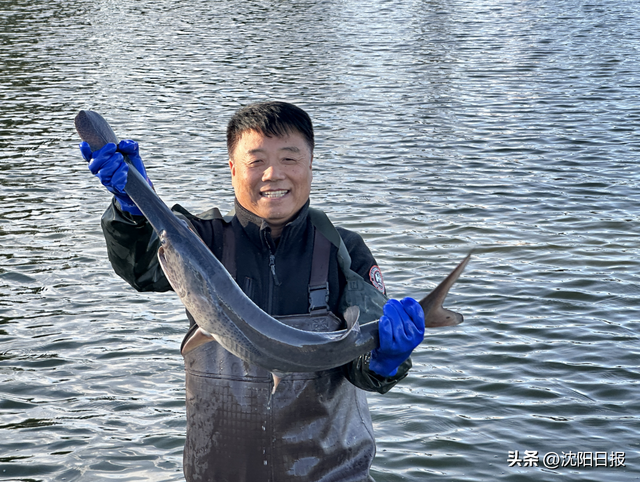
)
(275, 193)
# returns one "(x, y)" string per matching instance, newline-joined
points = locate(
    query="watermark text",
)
(555, 460)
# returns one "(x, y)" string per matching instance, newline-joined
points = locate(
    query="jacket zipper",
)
(272, 265)
(272, 279)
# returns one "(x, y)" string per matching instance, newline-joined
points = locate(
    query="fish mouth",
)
(275, 193)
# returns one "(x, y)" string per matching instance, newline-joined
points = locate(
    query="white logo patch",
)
(376, 278)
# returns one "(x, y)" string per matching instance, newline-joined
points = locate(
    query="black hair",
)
(272, 119)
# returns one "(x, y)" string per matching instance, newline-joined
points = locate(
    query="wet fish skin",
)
(222, 309)
(435, 315)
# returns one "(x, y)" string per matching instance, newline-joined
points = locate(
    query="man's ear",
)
(232, 166)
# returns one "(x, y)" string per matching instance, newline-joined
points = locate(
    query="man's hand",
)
(401, 329)
(108, 165)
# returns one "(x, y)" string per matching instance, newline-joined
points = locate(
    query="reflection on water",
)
(442, 126)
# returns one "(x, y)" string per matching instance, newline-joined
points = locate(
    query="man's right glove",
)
(108, 165)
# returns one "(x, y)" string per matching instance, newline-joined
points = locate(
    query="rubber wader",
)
(315, 427)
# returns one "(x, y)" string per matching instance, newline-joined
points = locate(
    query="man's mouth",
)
(274, 194)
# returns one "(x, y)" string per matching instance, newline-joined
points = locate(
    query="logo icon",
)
(376, 278)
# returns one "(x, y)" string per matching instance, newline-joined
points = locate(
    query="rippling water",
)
(507, 127)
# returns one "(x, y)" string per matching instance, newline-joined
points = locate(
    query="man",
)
(315, 426)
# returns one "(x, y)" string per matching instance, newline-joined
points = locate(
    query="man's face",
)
(272, 176)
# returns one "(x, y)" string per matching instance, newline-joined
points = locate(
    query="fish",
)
(221, 309)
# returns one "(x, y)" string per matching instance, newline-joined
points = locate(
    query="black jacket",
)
(274, 274)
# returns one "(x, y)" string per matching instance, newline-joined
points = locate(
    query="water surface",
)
(507, 127)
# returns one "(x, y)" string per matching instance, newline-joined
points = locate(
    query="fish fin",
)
(276, 382)
(199, 337)
(442, 317)
(434, 313)
(351, 316)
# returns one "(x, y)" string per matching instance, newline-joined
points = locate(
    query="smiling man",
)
(316, 426)
(271, 176)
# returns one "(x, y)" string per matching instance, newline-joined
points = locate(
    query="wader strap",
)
(319, 281)
(322, 223)
(357, 292)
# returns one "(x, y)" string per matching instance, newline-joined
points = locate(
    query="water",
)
(507, 127)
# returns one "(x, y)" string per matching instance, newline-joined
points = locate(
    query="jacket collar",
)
(259, 232)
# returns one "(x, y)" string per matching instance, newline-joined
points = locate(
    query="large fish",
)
(222, 310)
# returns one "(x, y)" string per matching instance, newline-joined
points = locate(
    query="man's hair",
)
(271, 119)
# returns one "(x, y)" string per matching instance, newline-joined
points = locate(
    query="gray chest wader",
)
(315, 427)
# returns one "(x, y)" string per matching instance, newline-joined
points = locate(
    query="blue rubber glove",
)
(108, 165)
(401, 329)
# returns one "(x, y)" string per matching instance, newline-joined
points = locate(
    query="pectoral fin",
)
(199, 337)
(351, 316)
(276, 382)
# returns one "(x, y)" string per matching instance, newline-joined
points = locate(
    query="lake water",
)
(507, 127)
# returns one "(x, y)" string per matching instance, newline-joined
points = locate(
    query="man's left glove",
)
(401, 329)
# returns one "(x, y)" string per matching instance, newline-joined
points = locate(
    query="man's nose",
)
(273, 173)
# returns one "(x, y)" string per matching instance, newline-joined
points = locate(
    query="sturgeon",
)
(221, 309)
